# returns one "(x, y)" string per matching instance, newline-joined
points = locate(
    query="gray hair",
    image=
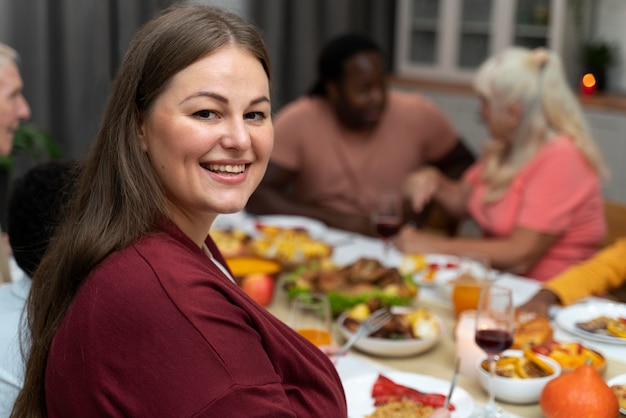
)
(7, 55)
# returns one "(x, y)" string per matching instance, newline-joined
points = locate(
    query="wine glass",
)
(310, 317)
(388, 217)
(494, 334)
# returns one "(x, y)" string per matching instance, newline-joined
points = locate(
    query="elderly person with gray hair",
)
(536, 191)
(13, 109)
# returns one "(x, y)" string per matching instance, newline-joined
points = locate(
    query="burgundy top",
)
(157, 330)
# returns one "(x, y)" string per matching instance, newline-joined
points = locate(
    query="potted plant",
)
(597, 57)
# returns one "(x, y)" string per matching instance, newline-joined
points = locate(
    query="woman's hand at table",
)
(539, 303)
(412, 240)
(420, 187)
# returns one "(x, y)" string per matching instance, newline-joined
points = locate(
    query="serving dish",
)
(358, 391)
(618, 380)
(315, 228)
(567, 318)
(385, 347)
(517, 390)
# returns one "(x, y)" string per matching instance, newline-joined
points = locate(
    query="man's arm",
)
(273, 197)
(452, 165)
(456, 161)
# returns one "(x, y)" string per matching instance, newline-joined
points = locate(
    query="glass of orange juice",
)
(310, 317)
(472, 276)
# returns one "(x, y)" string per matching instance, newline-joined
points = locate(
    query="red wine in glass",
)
(494, 334)
(387, 227)
(493, 341)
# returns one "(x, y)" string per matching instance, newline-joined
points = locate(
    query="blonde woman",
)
(536, 190)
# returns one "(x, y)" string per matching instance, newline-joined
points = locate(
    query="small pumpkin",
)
(582, 394)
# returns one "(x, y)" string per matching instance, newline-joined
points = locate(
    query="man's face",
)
(360, 97)
(13, 106)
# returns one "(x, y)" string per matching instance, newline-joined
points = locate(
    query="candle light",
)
(588, 84)
(466, 348)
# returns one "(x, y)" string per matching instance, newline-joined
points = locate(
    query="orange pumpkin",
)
(581, 393)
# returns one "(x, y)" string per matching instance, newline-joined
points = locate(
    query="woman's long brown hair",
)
(118, 198)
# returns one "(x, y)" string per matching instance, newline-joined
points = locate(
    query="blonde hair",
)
(534, 80)
(7, 55)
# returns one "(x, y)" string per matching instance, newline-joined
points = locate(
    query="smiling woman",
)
(134, 311)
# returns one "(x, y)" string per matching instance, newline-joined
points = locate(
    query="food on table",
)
(288, 245)
(256, 276)
(417, 263)
(531, 330)
(605, 325)
(418, 324)
(386, 390)
(231, 242)
(527, 367)
(259, 286)
(401, 409)
(571, 355)
(620, 393)
(349, 285)
(242, 266)
(581, 393)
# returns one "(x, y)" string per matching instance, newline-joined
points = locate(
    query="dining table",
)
(438, 361)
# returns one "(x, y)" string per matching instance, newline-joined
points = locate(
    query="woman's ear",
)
(141, 134)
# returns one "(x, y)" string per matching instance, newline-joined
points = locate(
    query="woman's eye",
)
(255, 116)
(204, 114)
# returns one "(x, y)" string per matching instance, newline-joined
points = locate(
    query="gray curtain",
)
(70, 50)
(295, 31)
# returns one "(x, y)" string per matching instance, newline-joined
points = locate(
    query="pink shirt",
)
(556, 193)
(345, 170)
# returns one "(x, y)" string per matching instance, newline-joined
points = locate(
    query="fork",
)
(371, 324)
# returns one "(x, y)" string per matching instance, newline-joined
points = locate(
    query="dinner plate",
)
(567, 318)
(358, 391)
(618, 380)
(315, 228)
(385, 347)
(440, 269)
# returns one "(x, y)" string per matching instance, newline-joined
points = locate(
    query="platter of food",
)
(411, 331)
(597, 321)
(366, 393)
(351, 284)
(313, 227)
(618, 386)
(287, 245)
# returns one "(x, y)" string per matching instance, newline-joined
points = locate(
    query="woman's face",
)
(209, 135)
(502, 121)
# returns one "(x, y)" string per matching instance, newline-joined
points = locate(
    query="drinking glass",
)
(310, 317)
(472, 275)
(388, 217)
(494, 334)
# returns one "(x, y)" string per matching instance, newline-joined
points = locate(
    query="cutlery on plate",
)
(371, 324)
(457, 364)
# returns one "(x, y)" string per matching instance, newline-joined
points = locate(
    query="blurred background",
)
(70, 50)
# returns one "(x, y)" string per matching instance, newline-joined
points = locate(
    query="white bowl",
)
(392, 348)
(515, 390)
(618, 380)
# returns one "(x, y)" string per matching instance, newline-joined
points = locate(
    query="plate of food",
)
(598, 321)
(316, 229)
(364, 392)
(348, 285)
(618, 386)
(429, 269)
(410, 331)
